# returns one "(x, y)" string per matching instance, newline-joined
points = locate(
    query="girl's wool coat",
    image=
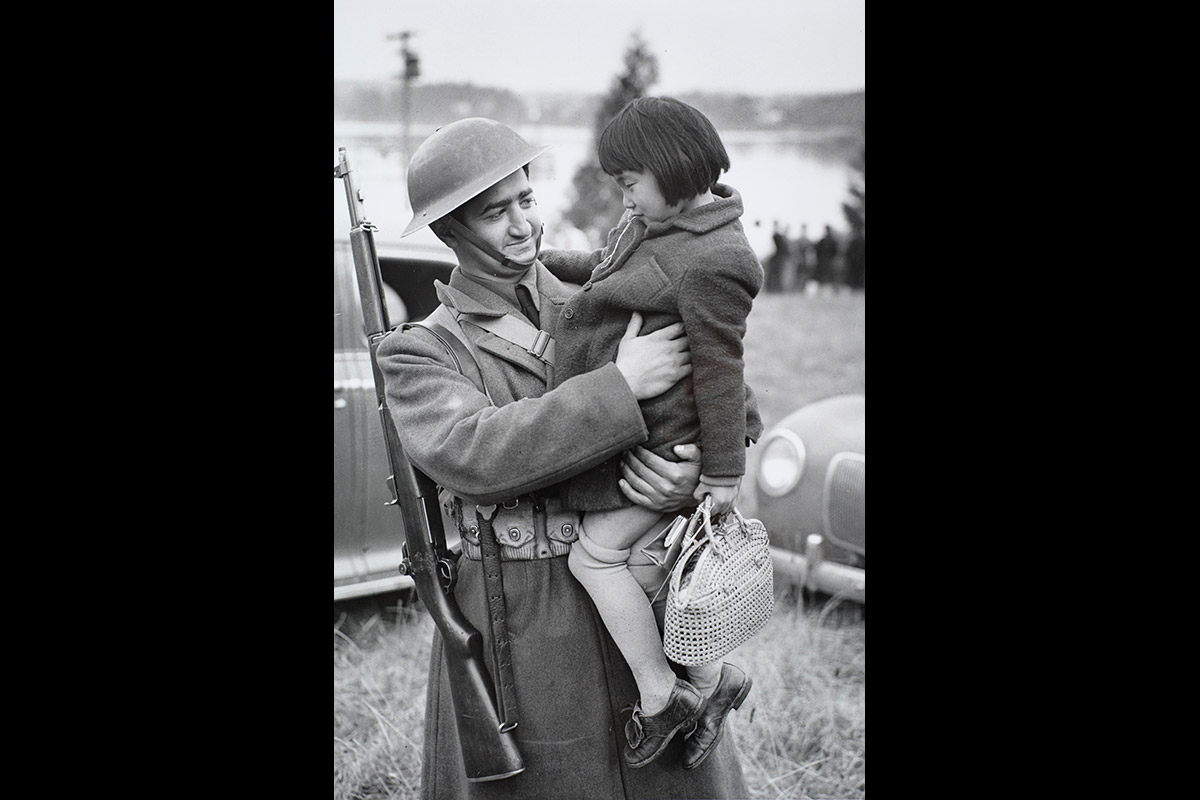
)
(697, 268)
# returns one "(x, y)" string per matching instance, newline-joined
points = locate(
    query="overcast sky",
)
(756, 47)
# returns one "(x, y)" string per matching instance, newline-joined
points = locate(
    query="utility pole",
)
(412, 70)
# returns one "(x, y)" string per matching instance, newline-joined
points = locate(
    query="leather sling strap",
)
(442, 324)
(536, 342)
(493, 581)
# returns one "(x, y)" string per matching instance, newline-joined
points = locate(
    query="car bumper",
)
(812, 572)
(361, 587)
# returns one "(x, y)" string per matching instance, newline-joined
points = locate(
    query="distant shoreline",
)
(827, 115)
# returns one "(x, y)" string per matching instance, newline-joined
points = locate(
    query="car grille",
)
(846, 502)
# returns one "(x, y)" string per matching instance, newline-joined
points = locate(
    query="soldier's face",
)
(506, 217)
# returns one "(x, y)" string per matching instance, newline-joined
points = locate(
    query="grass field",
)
(801, 732)
(800, 349)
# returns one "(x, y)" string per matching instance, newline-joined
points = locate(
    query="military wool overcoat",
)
(574, 690)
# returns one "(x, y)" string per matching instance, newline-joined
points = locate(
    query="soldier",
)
(777, 263)
(826, 273)
(805, 260)
(511, 446)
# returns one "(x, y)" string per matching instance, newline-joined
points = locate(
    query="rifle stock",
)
(488, 751)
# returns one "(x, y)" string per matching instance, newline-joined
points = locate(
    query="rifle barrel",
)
(353, 195)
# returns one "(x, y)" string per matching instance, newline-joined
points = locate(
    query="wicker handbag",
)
(721, 588)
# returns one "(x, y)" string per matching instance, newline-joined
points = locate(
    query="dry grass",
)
(380, 658)
(801, 732)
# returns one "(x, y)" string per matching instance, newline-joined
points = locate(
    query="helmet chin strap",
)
(463, 231)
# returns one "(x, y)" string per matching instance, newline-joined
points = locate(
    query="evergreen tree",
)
(596, 206)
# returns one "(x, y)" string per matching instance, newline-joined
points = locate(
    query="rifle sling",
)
(442, 324)
(520, 332)
(436, 323)
(489, 549)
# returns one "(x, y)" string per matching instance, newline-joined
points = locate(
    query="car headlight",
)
(781, 463)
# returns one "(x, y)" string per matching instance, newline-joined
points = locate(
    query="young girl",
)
(678, 253)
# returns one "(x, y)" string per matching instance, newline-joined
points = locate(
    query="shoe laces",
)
(634, 731)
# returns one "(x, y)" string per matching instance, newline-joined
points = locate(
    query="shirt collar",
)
(473, 295)
(530, 282)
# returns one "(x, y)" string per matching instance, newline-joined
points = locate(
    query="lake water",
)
(791, 176)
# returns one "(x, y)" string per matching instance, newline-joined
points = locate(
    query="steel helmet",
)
(459, 161)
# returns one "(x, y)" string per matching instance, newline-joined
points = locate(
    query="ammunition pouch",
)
(528, 527)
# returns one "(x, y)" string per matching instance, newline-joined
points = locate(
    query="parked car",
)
(368, 535)
(811, 488)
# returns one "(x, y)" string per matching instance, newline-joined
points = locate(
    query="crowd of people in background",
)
(827, 264)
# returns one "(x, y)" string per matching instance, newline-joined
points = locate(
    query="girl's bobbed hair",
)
(669, 139)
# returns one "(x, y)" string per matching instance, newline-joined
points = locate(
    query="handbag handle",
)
(699, 533)
(704, 512)
(681, 597)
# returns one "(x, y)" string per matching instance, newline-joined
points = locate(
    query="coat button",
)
(514, 534)
(568, 529)
(568, 312)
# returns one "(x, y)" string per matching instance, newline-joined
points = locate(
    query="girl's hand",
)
(723, 497)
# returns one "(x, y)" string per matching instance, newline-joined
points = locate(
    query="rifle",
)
(489, 749)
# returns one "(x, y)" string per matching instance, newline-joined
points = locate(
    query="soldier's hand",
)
(658, 483)
(655, 362)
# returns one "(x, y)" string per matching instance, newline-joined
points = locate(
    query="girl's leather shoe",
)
(648, 736)
(731, 690)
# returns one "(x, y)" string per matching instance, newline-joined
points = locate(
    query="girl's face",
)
(641, 195)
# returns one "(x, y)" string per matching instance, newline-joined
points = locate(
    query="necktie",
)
(527, 305)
